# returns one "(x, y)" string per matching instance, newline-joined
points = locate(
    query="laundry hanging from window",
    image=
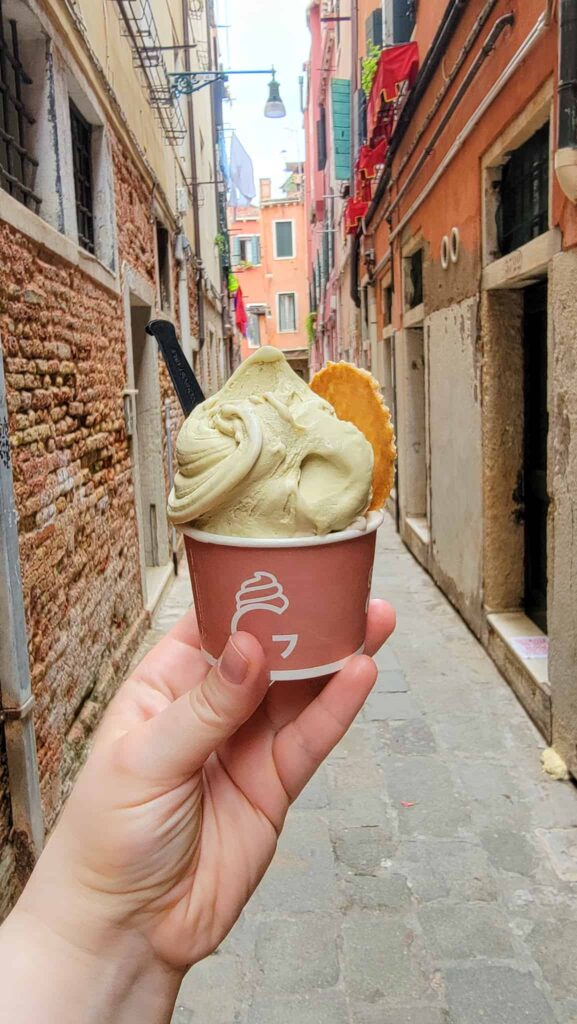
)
(241, 172)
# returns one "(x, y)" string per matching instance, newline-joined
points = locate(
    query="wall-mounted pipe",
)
(488, 46)
(15, 686)
(566, 155)
(445, 32)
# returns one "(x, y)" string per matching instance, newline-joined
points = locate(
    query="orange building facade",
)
(463, 252)
(268, 253)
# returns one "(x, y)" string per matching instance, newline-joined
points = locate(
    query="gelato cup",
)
(305, 599)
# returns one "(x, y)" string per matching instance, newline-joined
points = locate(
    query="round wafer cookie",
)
(356, 397)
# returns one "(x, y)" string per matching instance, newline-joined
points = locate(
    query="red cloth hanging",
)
(355, 210)
(397, 64)
(370, 157)
(240, 312)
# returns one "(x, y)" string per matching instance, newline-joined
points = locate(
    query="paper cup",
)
(305, 599)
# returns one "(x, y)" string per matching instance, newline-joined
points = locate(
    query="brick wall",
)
(65, 366)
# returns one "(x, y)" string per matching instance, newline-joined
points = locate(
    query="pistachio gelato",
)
(266, 457)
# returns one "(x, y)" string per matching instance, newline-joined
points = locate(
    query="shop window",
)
(523, 207)
(284, 248)
(414, 279)
(163, 265)
(287, 313)
(18, 165)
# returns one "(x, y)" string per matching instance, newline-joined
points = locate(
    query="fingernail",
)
(233, 665)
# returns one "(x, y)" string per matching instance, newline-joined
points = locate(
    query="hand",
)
(175, 817)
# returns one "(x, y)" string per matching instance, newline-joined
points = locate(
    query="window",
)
(17, 166)
(414, 280)
(387, 305)
(83, 190)
(523, 209)
(163, 264)
(287, 312)
(246, 249)
(322, 139)
(283, 240)
(254, 314)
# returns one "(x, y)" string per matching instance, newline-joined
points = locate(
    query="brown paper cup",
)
(305, 599)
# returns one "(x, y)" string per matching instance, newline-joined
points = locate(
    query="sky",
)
(263, 34)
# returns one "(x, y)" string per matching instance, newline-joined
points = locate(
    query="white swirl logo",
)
(261, 593)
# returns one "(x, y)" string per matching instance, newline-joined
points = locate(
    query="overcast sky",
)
(263, 33)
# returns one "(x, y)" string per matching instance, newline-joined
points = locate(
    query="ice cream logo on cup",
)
(263, 593)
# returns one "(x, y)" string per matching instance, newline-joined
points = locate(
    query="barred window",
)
(523, 211)
(83, 188)
(17, 166)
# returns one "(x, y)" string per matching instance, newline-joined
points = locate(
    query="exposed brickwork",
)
(65, 365)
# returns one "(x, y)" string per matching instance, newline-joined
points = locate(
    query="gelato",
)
(266, 457)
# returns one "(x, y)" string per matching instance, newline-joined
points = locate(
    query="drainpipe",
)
(566, 155)
(16, 701)
(445, 32)
(194, 186)
(183, 296)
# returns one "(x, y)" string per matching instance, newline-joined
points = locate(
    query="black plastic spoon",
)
(188, 390)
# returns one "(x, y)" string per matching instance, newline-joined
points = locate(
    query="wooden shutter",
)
(403, 20)
(322, 139)
(374, 29)
(341, 104)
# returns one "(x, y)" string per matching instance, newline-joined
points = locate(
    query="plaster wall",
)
(455, 452)
(563, 486)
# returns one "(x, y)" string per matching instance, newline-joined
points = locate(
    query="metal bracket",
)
(17, 714)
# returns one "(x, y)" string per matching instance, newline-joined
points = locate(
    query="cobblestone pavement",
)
(429, 873)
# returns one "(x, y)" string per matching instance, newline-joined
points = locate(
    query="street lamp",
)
(274, 106)
(185, 83)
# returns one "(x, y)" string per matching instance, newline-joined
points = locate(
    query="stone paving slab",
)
(428, 875)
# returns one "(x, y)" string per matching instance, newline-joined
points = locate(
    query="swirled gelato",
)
(266, 457)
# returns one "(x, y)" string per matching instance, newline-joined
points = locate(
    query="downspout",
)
(566, 155)
(194, 186)
(183, 296)
(16, 701)
(445, 32)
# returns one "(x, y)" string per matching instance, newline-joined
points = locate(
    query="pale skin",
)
(170, 828)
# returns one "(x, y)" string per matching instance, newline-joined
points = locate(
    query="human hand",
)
(175, 817)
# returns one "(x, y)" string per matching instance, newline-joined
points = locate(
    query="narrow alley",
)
(426, 876)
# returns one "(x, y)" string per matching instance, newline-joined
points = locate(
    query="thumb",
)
(169, 748)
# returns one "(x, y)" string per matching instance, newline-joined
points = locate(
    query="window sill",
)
(420, 527)
(414, 317)
(508, 626)
(532, 258)
(32, 226)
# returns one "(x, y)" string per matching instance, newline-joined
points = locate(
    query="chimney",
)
(265, 189)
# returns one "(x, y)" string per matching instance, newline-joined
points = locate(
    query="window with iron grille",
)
(83, 179)
(17, 165)
(414, 280)
(322, 139)
(523, 210)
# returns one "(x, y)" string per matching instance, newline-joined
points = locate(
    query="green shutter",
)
(341, 103)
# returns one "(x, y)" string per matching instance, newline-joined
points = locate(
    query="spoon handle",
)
(188, 390)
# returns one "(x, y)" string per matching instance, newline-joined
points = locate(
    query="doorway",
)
(415, 471)
(148, 455)
(535, 433)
